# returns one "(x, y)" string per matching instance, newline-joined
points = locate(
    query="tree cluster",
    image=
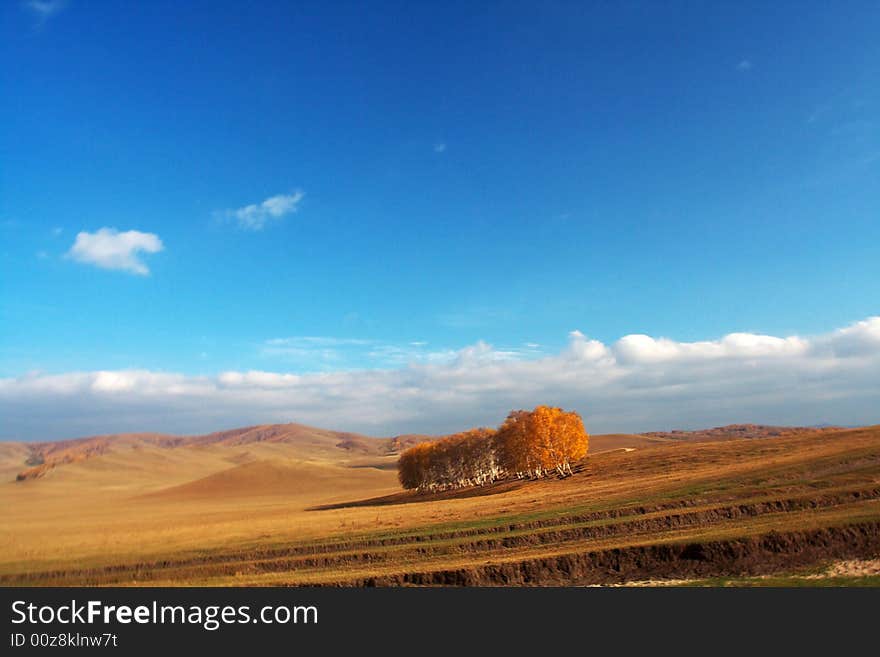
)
(528, 444)
(463, 459)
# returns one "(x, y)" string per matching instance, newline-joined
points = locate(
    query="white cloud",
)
(255, 216)
(44, 9)
(110, 249)
(859, 339)
(635, 384)
(321, 353)
(744, 65)
(645, 349)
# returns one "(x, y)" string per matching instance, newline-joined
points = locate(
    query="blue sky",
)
(437, 177)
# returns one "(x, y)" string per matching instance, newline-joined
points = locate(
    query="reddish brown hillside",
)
(383, 446)
(44, 456)
(736, 432)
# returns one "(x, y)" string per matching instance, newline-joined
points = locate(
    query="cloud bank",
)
(257, 215)
(110, 249)
(635, 384)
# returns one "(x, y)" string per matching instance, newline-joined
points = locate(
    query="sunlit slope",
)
(13, 457)
(277, 478)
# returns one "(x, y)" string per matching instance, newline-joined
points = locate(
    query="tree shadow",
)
(410, 497)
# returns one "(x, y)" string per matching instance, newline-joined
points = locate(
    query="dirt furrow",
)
(556, 531)
(756, 555)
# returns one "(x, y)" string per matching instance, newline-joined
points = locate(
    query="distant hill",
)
(28, 461)
(737, 432)
(310, 442)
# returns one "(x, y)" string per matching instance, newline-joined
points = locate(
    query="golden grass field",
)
(291, 505)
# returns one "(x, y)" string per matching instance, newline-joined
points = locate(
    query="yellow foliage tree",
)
(545, 439)
(528, 444)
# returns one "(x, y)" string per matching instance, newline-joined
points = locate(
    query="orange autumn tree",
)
(537, 442)
(528, 444)
(565, 441)
(413, 466)
(516, 443)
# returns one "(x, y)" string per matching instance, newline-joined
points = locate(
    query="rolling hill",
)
(39, 458)
(290, 504)
(33, 460)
